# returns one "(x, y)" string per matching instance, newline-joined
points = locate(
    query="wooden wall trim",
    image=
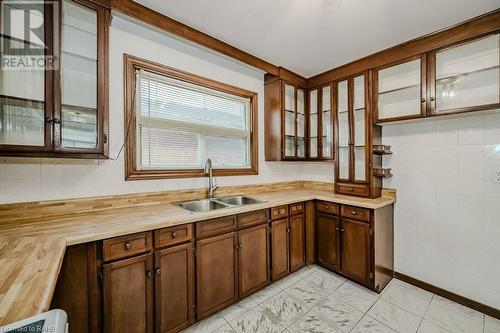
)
(472, 28)
(165, 23)
(449, 295)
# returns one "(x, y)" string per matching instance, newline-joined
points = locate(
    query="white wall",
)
(447, 215)
(45, 179)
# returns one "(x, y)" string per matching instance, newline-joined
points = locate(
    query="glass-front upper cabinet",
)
(353, 138)
(400, 90)
(61, 110)
(320, 123)
(465, 77)
(294, 122)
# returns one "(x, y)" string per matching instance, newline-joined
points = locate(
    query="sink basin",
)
(239, 200)
(205, 205)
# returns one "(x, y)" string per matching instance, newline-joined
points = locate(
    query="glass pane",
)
(301, 101)
(289, 97)
(343, 129)
(399, 90)
(359, 163)
(22, 89)
(359, 127)
(359, 92)
(301, 125)
(327, 146)
(313, 125)
(313, 149)
(468, 74)
(344, 163)
(289, 123)
(325, 99)
(313, 102)
(327, 133)
(301, 148)
(398, 103)
(79, 76)
(343, 99)
(289, 146)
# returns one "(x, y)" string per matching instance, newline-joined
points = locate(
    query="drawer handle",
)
(128, 245)
(354, 212)
(326, 206)
(174, 234)
(351, 190)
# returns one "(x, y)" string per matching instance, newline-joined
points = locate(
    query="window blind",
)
(180, 125)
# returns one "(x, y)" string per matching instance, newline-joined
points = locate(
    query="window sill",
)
(194, 173)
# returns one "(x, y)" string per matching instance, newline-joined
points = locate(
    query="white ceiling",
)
(312, 36)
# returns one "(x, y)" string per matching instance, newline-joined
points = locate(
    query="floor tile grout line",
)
(427, 309)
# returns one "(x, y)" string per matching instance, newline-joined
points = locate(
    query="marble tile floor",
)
(316, 300)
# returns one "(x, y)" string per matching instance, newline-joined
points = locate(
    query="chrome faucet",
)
(208, 172)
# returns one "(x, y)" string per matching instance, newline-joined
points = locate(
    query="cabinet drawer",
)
(126, 246)
(360, 190)
(357, 213)
(327, 207)
(215, 226)
(173, 235)
(279, 212)
(253, 218)
(296, 208)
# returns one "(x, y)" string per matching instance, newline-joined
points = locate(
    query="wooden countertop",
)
(29, 267)
(32, 249)
(85, 227)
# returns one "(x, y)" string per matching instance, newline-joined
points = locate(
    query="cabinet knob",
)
(128, 245)
(57, 121)
(326, 206)
(432, 99)
(337, 228)
(351, 189)
(148, 274)
(354, 212)
(174, 234)
(158, 271)
(423, 100)
(342, 229)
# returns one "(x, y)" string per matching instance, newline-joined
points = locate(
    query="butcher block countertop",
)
(33, 237)
(29, 267)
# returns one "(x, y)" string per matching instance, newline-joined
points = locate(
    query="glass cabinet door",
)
(359, 111)
(400, 91)
(467, 76)
(326, 123)
(344, 154)
(301, 123)
(289, 112)
(313, 123)
(79, 126)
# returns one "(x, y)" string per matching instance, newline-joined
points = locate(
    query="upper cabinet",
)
(459, 78)
(60, 111)
(465, 77)
(285, 120)
(320, 123)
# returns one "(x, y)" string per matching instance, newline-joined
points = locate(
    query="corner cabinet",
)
(61, 112)
(355, 137)
(285, 120)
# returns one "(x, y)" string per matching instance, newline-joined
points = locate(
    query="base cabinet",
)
(280, 249)
(128, 295)
(356, 245)
(216, 273)
(174, 288)
(297, 242)
(327, 241)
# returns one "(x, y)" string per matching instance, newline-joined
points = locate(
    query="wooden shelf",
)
(382, 172)
(382, 150)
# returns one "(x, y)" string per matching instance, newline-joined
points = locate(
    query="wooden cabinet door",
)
(253, 253)
(327, 241)
(297, 242)
(128, 301)
(174, 288)
(216, 269)
(355, 240)
(280, 253)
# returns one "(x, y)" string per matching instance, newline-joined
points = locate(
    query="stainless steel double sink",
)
(207, 205)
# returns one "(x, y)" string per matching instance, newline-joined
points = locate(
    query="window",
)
(176, 120)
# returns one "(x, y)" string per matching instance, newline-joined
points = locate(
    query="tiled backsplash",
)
(447, 215)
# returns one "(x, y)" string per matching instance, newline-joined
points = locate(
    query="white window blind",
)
(180, 125)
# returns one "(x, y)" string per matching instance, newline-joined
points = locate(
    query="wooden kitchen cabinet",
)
(128, 295)
(174, 288)
(355, 255)
(216, 273)
(327, 241)
(297, 242)
(253, 255)
(280, 249)
(320, 123)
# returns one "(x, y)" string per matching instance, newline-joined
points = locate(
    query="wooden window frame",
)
(131, 64)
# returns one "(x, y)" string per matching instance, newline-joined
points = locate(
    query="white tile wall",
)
(447, 217)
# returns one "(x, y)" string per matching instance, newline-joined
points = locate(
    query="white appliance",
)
(54, 321)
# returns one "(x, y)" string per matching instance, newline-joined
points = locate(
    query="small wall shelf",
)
(382, 150)
(382, 172)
